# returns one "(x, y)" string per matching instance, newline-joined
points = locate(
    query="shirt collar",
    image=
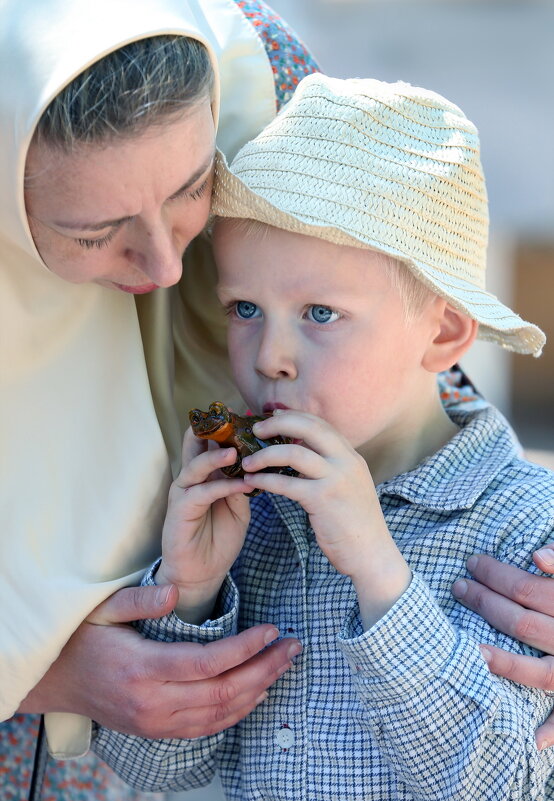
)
(455, 476)
(452, 478)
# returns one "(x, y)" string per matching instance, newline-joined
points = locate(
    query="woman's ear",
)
(456, 332)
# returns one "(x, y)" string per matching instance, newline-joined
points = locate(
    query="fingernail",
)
(246, 461)
(162, 595)
(543, 744)
(547, 555)
(261, 698)
(279, 411)
(486, 653)
(294, 650)
(271, 635)
(459, 588)
(471, 563)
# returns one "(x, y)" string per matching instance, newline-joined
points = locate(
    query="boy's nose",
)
(275, 357)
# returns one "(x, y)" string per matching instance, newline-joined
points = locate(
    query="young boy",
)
(350, 242)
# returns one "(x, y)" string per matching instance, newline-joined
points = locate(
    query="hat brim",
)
(497, 322)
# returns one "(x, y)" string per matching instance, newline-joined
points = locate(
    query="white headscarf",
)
(95, 385)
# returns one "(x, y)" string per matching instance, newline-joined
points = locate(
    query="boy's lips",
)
(268, 408)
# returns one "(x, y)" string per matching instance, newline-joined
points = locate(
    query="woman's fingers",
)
(205, 721)
(135, 603)
(544, 736)
(526, 589)
(528, 670)
(544, 558)
(158, 689)
(534, 628)
(531, 672)
(196, 662)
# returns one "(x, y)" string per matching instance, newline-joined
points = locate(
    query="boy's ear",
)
(456, 333)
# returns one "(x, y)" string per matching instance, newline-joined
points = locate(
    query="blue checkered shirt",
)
(408, 709)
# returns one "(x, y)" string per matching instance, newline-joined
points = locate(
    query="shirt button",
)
(284, 737)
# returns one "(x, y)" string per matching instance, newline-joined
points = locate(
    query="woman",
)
(98, 369)
(108, 339)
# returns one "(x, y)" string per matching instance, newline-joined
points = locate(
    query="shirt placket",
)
(292, 727)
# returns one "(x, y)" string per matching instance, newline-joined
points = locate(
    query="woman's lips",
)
(137, 290)
(268, 408)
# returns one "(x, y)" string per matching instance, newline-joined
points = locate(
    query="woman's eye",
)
(246, 310)
(96, 243)
(197, 193)
(322, 314)
(194, 194)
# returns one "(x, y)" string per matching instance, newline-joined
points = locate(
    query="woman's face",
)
(121, 215)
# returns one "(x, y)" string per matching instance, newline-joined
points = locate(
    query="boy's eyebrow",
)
(98, 226)
(222, 286)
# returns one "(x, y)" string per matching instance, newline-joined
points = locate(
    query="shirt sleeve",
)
(450, 727)
(170, 763)
(171, 628)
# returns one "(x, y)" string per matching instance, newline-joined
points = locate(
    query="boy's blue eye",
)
(322, 314)
(245, 310)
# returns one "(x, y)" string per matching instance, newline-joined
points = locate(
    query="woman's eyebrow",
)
(86, 226)
(98, 226)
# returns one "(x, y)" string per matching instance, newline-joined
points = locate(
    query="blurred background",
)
(495, 59)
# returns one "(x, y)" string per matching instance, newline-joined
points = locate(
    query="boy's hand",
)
(336, 490)
(204, 528)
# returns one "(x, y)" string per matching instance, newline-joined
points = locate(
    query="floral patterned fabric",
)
(85, 779)
(290, 59)
(89, 779)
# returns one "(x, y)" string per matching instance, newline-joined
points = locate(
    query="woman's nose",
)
(275, 357)
(157, 253)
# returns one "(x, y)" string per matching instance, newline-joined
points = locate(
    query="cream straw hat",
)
(390, 167)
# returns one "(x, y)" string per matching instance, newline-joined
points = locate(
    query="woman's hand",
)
(336, 490)
(204, 529)
(111, 674)
(522, 606)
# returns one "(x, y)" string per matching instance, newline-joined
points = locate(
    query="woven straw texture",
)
(389, 167)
